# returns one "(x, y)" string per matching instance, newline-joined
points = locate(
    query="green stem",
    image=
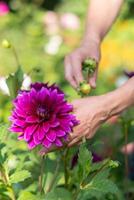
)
(16, 56)
(76, 194)
(41, 175)
(54, 176)
(126, 158)
(66, 174)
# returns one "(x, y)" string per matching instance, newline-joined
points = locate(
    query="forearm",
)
(101, 15)
(120, 99)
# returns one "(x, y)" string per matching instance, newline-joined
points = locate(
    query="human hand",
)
(73, 63)
(92, 112)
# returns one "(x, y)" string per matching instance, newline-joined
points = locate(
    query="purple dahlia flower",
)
(42, 116)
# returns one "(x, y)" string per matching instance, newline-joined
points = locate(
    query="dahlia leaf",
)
(84, 162)
(59, 193)
(19, 176)
(14, 82)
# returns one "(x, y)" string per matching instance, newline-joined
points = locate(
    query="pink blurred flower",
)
(51, 22)
(70, 21)
(128, 149)
(4, 9)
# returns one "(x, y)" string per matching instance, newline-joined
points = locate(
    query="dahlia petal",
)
(35, 138)
(55, 124)
(41, 133)
(68, 108)
(20, 137)
(51, 135)
(31, 129)
(32, 119)
(58, 143)
(20, 113)
(33, 93)
(60, 133)
(27, 136)
(47, 143)
(46, 127)
(19, 122)
(31, 144)
(53, 96)
(43, 94)
(66, 128)
(15, 129)
(60, 98)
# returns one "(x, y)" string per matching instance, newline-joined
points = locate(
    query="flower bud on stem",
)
(89, 67)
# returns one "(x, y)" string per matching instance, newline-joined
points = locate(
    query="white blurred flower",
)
(121, 80)
(51, 23)
(3, 85)
(70, 21)
(26, 83)
(52, 47)
(12, 162)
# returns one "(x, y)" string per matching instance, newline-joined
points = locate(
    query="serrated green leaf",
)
(59, 194)
(101, 175)
(14, 82)
(19, 176)
(103, 186)
(84, 162)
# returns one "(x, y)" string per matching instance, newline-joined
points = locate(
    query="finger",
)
(82, 128)
(77, 69)
(73, 142)
(91, 133)
(93, 78)
(78, 138)
(68, 72)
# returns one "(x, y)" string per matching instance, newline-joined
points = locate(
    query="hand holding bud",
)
(88, 67)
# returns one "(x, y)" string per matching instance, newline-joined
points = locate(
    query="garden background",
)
(43, 32)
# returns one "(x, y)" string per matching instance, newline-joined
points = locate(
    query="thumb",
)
(93, 79)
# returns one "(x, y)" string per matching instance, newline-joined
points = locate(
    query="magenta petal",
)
(27, 136)
(66, 128)
(21, 137)
(31, 129)
(43, 94)
(32, 119)
(41, 133)
(31, 144)
(15, 129)
(61, 133)
(60, 98)
(35, 138)
(46, 127)
(51, 136)
(19, 122)
(47, 143)
(55, 124)
(58, 143)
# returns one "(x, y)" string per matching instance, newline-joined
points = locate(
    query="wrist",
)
(91, 36)
(120, 99)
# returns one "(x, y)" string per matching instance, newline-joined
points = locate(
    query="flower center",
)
(43, 113)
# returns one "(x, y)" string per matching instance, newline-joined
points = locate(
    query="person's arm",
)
(93, 111)
(100, 17)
